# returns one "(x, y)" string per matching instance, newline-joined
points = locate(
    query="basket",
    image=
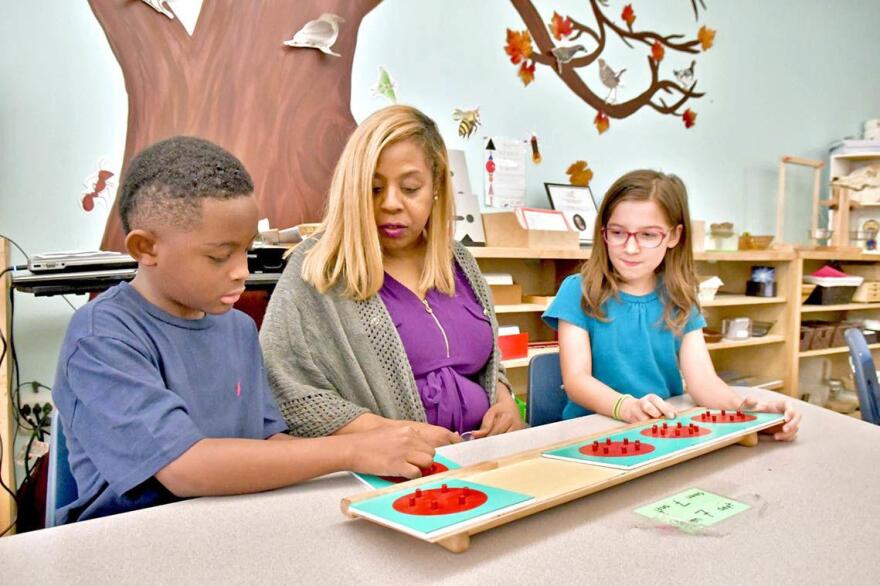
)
(830, 295)
(867, 292)
(822, 334)
(806, 338)
(711, 336)
(839, 329)
(806, 289)
(748, 242)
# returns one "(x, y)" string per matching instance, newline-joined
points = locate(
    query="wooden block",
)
(506, 294)
(504, 230)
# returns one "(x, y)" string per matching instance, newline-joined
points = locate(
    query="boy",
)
(160, 384)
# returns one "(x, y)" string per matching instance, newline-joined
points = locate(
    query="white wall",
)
(784, 77)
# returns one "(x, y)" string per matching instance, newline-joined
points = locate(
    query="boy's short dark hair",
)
(166, 182)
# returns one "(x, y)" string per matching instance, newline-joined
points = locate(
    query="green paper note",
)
(692, 510)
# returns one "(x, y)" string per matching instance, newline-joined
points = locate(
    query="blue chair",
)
(865, 375)
(60, 486)
(546, 398)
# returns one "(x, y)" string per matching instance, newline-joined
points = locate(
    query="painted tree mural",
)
(285, 112)
(553, 47)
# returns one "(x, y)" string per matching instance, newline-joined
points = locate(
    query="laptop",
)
(90, 260)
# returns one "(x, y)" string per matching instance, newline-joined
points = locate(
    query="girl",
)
(629, 324)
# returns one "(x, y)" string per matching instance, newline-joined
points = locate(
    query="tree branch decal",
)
(663, 95)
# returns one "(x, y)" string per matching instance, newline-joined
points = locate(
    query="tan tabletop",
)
(814, 518)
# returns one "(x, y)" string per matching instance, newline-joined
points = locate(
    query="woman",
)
(382, 319)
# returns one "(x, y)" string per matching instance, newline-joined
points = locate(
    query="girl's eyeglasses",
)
(644, 238)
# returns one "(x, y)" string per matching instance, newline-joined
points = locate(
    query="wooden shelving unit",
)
(766, 357)
(539, 272)
(838, 356)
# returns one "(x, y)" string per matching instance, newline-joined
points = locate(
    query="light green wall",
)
(785, 77)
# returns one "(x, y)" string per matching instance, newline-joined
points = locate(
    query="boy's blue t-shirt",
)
(136, 387)
(634, 352)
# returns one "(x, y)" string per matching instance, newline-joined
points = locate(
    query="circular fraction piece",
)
(436, 468)
(440, 501)
(677, 431)
(616, 449)
(723, 417)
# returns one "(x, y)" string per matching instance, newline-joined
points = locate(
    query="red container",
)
(514, 346)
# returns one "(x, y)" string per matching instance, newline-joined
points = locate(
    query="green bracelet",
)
(615, 413)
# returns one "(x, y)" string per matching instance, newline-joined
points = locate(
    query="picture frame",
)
(577, 204)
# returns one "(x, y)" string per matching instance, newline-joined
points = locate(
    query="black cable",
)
(14, 243)
(12, 447)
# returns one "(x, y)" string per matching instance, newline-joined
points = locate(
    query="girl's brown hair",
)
(600, 280)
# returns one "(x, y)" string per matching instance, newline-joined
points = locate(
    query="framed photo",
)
(577, 205)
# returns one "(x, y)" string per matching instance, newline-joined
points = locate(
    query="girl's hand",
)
(648, 407)
(501, 417)
(784, 432)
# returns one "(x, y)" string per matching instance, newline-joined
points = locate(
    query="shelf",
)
(524, 362)
(517, 253)
(840, 307)
(839, 255)
(857, 156)
(584, 253)
(745, 255)
(759, 341)
(520, 308)
(771, 385)
(728, 300)
(835, 350)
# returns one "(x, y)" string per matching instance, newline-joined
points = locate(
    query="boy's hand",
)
(434, 435)
(648, 407)
(784, 432)
(501, 417)
(391, 451)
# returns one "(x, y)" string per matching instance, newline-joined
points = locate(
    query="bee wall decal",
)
(469, 120)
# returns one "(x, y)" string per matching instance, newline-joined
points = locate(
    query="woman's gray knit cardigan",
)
(330, 359)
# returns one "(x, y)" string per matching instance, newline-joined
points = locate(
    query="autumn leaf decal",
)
(706, 36)
(560, 27)
(519, 46)
(628, 15)
(601, 121)
(657, 52)
(579, 173)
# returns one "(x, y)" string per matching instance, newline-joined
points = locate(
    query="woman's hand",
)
(434, 435)
(784, 432)
(648, 407)
(501, 417)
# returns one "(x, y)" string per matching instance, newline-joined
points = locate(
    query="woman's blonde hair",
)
(349, 251)
(679, 280)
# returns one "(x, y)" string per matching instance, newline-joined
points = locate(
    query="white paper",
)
(506, 186)
(534, 219)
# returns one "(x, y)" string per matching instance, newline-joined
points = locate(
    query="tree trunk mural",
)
(284, 112)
